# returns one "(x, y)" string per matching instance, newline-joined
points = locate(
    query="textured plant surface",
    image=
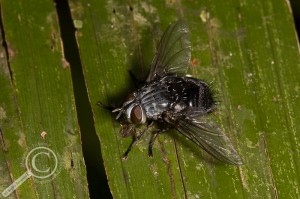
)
(248, 50)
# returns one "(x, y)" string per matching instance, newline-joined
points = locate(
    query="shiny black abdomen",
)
(175, 94)
(193, 92)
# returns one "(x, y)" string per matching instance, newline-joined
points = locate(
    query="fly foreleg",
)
(105, 106)
(136, 138)
(153, 138)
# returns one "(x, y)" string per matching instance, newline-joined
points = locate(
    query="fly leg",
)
(105, 106)
(136, 138)
(153, 138)
(150, 148)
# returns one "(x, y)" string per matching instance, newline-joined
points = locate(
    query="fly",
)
(174, 100)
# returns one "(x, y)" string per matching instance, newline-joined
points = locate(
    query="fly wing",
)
(209, 137)
(173, 53)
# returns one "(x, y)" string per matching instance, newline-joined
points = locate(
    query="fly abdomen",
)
(200, 95)
(192, 92)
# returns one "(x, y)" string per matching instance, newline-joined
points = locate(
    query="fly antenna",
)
(120, 110)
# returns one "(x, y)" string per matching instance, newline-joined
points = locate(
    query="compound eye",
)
(136, 115)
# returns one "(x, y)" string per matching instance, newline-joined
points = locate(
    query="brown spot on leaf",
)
(43, 135)
(194, 62)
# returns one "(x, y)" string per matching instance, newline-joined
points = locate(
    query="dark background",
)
(295, 4)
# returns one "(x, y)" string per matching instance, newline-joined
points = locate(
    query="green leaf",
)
(248, 49)
(37, 106)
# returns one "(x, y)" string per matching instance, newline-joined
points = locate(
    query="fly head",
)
(127, 129)
(132, 110)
